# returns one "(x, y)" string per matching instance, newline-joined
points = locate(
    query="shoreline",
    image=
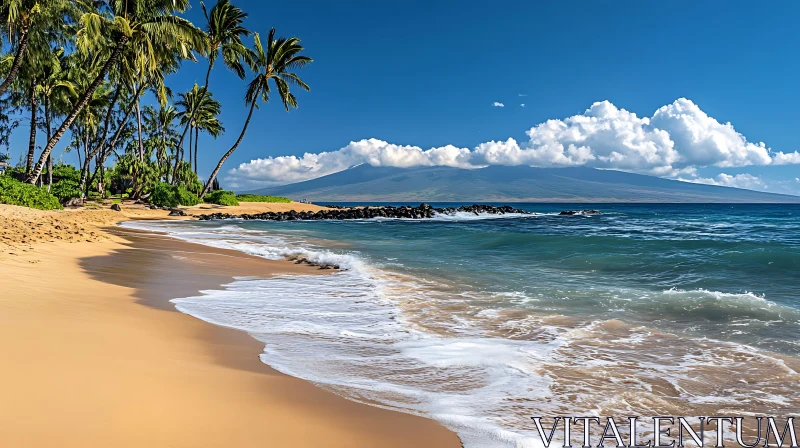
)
(102, 358)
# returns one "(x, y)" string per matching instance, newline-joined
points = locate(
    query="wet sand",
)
(95, 355)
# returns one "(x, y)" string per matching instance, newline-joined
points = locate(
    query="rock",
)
(116, 208)
(177, 212)
(74, 202)
(423, 211)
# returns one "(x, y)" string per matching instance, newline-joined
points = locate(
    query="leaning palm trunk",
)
(32, 138)
(109, 113)
(23, 45)
(230, 151)
(139, 121)
(37, 171)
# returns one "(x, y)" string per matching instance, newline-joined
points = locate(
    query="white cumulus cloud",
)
(747, 181)
(781, 158)
(676, 140)
(496, 104)
(522, 105)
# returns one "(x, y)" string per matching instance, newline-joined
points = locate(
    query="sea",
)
(481, 322)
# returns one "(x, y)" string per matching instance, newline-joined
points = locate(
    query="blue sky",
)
(426, 74)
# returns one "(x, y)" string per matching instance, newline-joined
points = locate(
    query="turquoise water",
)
(481, 322)
(703, 269)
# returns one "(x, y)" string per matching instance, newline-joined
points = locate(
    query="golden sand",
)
(94, 355)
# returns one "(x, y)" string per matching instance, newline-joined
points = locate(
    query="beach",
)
(95, 354)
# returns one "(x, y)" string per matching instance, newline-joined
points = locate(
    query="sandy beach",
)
(96, 356)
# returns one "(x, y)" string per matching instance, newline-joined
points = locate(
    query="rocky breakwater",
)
(423, 211)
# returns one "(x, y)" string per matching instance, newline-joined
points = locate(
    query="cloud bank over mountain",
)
(677, 140)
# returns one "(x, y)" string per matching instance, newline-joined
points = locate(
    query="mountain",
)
(366, 183)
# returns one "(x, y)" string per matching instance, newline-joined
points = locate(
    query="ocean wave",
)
(481, 366)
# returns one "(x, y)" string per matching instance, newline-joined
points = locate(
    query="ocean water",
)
(481, 322)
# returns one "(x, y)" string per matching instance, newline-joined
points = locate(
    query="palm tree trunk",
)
(139, 121)
(107, 123)
(78, 146)
(194, 111)
(191, 134)
(196, 139)
(102, 145)
(37, 170)
(32, 137)
(23, 45)
(233, 148)
(49, 132)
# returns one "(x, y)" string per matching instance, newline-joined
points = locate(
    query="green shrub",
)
(65, 172)
(15, 192)
(65, 190)
(221, 197)
(186, 197)
(259, 198)
(166, 195)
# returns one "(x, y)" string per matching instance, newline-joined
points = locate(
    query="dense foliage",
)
(90, 76)
(260, 198)
(221, 197)
(166, 195)
(15, 192)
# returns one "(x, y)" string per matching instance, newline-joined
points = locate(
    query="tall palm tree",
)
(147, 25)
(225, 32)
(55, 89)
(22, 20)
(277, 63)
(200, 112)
(158, 123)
(86, 125)
(209, 124)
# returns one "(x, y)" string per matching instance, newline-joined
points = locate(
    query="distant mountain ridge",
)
(367, 183)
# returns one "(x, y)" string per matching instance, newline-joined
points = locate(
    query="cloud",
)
(674, 142)
(746, 181)
(290, 169)
(523, 94)
(522, 105)
(781, 158)
(797, 179)
(496, 104)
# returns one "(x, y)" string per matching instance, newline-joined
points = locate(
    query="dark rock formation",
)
(177, 212)
(423, 211)
(116, 208)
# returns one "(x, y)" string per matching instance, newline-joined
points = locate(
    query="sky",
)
(698, 91)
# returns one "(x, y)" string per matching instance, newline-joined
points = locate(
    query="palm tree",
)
(23, 20)
(200, 112)
(159, 125)
(207, 123)
(225, 32)
(85, 127)
(276, 63)
(55, 88)
(148, 26)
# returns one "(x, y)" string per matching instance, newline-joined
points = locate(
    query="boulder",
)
(116, 208)
(177, 212)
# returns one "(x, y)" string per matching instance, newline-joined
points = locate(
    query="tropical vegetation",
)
(261, 198)
(89, 80)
